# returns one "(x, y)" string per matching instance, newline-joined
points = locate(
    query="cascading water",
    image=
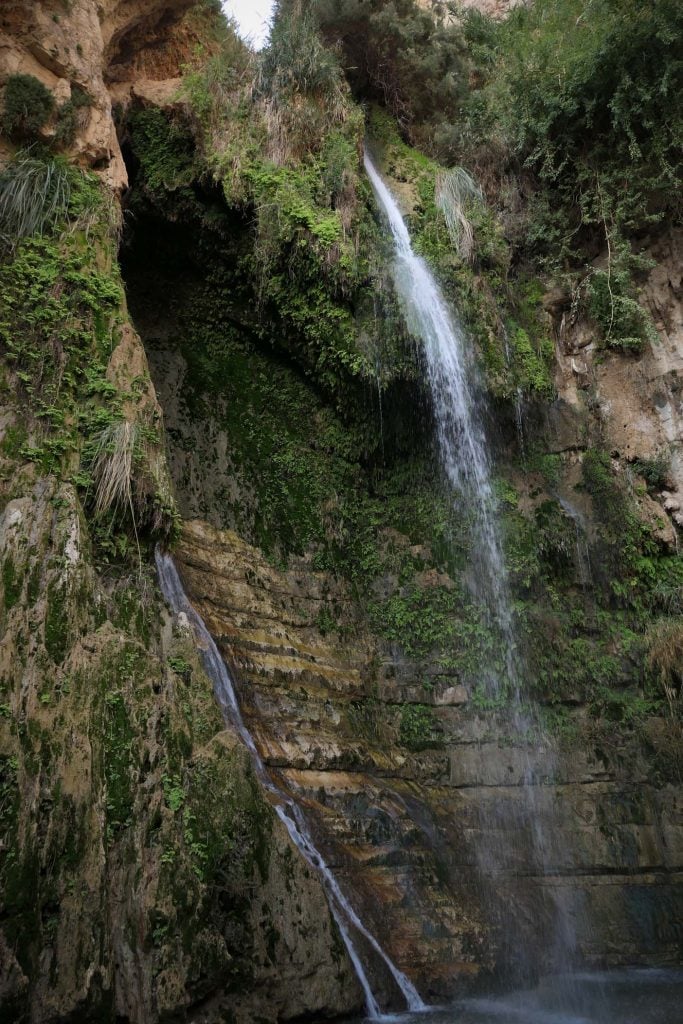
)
(286, 809)
(512, 841)
(462, 441)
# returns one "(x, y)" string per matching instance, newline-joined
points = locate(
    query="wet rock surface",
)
(402, 826)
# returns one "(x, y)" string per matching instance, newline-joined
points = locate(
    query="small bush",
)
(624, 323)
(418, 727)
(71, 116)
(28, 105)
(654, 471)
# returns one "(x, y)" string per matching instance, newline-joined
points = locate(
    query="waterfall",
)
(289, 812)
(512, 834)
(462, 442)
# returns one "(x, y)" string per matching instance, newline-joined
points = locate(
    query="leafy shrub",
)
(654, 471)
(613, 304)
(418, 727)
(27, 106)
(297, 62)
(408, 58)
(584, 92)
(70, 117)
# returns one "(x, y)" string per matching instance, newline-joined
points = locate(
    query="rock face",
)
(142, 871)
(115, 852)
(403, 826)
(94, 47)
(637, 401)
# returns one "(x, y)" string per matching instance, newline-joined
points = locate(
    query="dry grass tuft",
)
(665, 658)
(112, 466)
(455, 189)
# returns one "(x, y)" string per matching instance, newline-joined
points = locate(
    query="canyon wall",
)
(144, 874)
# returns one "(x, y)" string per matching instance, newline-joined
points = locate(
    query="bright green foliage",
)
(417, 728)
(613, 304)
(586, 95)
(165, 150)
(27, 106)
(409, 59)
(419, 619)
(531, 367)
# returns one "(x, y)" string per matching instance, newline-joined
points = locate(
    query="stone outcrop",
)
(401, 825)
(120, 850)
(103, 49)
(636, 401)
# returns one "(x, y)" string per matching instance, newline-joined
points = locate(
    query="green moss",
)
(119, 764)
(165, 150)
(56, 626)
(11, 583)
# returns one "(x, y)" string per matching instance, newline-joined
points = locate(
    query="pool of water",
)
(629, 996)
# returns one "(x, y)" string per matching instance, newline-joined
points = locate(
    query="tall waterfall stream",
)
(517, 840)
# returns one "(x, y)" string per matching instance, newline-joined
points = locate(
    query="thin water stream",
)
(287, 810)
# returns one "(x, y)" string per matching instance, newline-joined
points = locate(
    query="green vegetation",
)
(27, 106)
(409, 59)
(165, 150)
(584, 95)
(417, 729)
(60, 323)
(568, 112)
(281, 335)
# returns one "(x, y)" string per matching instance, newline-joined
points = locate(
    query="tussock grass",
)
(665, 657)
(113, 459)
(455, 189)
(42, 196)
(34, 197)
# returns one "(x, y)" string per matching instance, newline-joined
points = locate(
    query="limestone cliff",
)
(227, 371)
